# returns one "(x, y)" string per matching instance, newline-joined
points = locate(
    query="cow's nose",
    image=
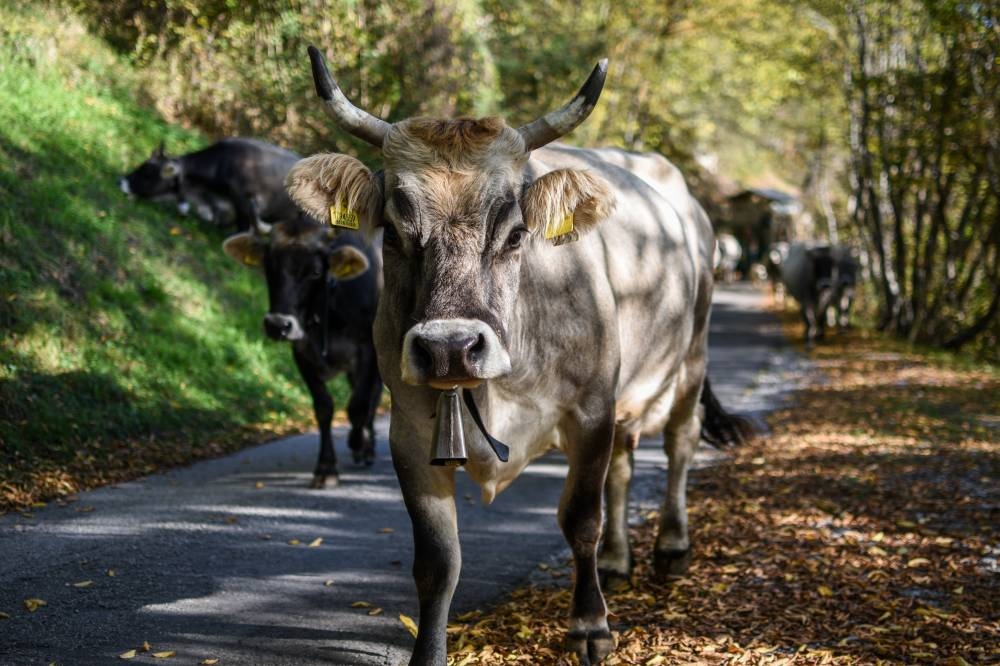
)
(281, 327)
(448, 357)
(452, 351)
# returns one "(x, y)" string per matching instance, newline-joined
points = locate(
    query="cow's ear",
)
(337, 189)
(170, 169)
(347, 263)
(566, 203)
(245, 248)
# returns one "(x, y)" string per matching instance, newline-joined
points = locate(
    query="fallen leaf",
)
(824, 591)
(658, 659)
(361, 604)
(258, 485)
(208, 662)
(34, 604)
(112, 573)
(146, 647)
(386, 530)
(164, 655)
(328, 583)
(130, 654)
(410, 625)
(4, 616)
(293, 542)
(83, 583)
(316, 542)
(955, 661)
(918, 562)
(375, 611)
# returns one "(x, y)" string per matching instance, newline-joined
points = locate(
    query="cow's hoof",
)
(361, 441)
(614, 581)
(671, 563)
(321, 480)
(590, 647)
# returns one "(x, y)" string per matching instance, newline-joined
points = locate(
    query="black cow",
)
(323, 291)
(232, 181)
(821, 278)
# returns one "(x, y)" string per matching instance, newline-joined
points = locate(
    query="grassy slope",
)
(128, 340)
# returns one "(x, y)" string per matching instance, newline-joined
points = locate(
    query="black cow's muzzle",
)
(282, 327)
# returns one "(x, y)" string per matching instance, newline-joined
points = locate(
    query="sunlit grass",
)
(127, 338)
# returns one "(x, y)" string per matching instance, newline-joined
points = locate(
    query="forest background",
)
(882, 114)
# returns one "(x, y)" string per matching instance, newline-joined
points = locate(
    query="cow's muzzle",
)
(282, 327)
(453, 352)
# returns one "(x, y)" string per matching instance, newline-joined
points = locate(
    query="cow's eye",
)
(389, 234)
(516, 237)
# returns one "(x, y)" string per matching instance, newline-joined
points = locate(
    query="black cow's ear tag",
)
(560, 231)
(342, 216)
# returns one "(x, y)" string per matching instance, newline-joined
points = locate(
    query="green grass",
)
(128, 340)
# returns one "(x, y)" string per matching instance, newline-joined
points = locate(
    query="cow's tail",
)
(720, 428)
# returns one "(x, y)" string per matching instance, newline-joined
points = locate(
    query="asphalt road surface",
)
(235, 559)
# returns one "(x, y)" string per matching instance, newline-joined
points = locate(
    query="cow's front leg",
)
(809, 316)
(365, 396)
(326, 467)
(589, 452)
(429, 493)
(615, 562)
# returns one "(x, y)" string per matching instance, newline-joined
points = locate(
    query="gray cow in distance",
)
(822, 278)
(564, 296)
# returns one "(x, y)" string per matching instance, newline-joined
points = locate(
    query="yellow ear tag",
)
(342, 216)
(557, 228)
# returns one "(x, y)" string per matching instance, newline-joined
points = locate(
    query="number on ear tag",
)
(557, 228)
(342, 216)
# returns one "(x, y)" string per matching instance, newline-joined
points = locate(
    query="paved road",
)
(203, 566)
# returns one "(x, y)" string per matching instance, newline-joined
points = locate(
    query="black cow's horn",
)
(556, 123)
(358, 122)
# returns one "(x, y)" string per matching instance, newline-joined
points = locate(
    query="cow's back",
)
(258, 167)
(655, 254)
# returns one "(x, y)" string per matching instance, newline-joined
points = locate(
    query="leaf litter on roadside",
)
(858, 532)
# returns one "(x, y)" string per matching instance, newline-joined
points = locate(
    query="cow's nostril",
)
(479, 346)
(286, 326)
(422, 356)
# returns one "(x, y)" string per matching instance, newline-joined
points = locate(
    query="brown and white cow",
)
(580, 341)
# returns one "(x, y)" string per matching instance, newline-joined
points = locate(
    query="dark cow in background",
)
(234, 181)
(564, 296)
(323, 291)
(822, 278)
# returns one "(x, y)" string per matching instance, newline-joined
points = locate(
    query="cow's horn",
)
(556, 123)
(358, 122)
(262, 228)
